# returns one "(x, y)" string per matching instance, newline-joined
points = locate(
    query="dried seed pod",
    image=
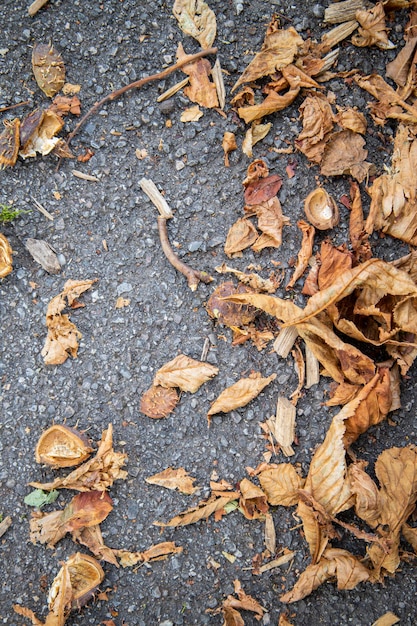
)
(321, 209)
(9, 143)
(61, 446)
(229, 313)
(38, 133)
(85, 574)
(158, 402)
(48, 68)
(5, 257)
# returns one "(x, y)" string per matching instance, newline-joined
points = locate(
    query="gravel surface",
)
(105, 46)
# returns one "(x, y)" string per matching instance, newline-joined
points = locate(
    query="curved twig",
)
(136, 85)
(193, 276)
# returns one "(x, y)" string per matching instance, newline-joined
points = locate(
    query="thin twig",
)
(36, 6)
(5, 525)
(42, 210)
(136, 85)
(193, 276)
(14, 106)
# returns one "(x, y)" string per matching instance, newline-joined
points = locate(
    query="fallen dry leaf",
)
(63, 335)
(185, 373)
(389, 104)
(96, 474)
(197, 20)
(388, 619)
(6, 260)
(174, 479)
(344, 153)
(159, 552)
(262, 190)
(372, 28)
(351, 119)
(200, 89)
(229, 145)
(317, 118)
(242, 234)
(158, 402)
(367, 498)
(240, 394)
(254, 134)
(202, 511)
(244, 602)
(48, 68)
(252, 280)
(252, 502)
(272, 104)
(399, 68)
(305, 252)
(192, 114)
(122, 302)
(62, 105)
(281, 484)
(270, 221)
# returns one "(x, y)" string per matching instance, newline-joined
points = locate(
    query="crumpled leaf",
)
(197, 20)
(91, 538)
(157, 402)
(372, 28)
(240, 394)
(253, 501)
(367, 497)
(335, 564)
(96, 474)
(278, 50)
(254, 134)
(317, 117)
(174, 479)
(281, 484)
(389, 103)
(6, 260)
(270, 221)
(192, 114)
(9, 143)
(63, 335)
(272, 104)
(228, 144)
(344, 153)
(85, 509)
(202, 511)
(351, 119)
(185, 373)
(62, 105)
(262, 190)
(396, 470)
(398, 69)
(48, 68)
(159, 552)
(252, 280)
(39, 498)
(243, 603)
(388, 619)
(305, 252)
(358, 236)
(200, 89)
(241, 235)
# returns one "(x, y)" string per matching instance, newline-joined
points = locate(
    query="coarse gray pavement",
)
(106, 45)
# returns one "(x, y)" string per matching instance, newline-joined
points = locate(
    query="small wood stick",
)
(14, 106)
(5, 525)
(153, 193)
(36, 6)
(193, 276)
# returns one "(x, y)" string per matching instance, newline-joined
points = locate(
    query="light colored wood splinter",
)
(155, 196)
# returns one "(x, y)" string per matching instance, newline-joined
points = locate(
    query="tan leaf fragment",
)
(6, 260)
(388, 619)
(278, 50)
(63, 335)
(270, 537)
(91, 538)
(351, 119)
(122, 302)
(240, 394)
(252, 501)
(197, 20)
(241, 235)
(344, 153)
(281, 560)
(157, 402)
(192, 114)
(254, 281)
(96, 474)
(229, 145)
(174, 479)
(282, 426)
(244, 602)
(358, 236)
(399, 68)
(396, 470)
(372, 28)
(281, 484)
(85, 509)
(254, 134)
(410, 535)
(159, 552)
(335, 564)
(272, 104)
(202, 511)
(317, 117)
(200, 89)
(367, 499)
(305, 252)
(185, 373)
(389, 103)
(270, 221)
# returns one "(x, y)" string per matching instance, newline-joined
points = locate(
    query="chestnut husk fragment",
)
(85, 573)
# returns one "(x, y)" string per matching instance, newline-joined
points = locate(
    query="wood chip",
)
(79, 174)
(43, 254)
(36, 6)
(42, 210)
(285, 558)
(173, 90)
(217, 76)
(285, 341)
(312, 368)
(5, 525)
(282, 426)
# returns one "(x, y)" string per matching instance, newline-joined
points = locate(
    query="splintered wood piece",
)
(43, 254)
(36, 6)
(312, 368)
(339, 33)
(282, 426)
(155, 196)
(339, 12)
(173, 90)
(5, 525)
(217, 76)
(285, 341)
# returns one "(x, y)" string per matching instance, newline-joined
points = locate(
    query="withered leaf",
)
(240, 394)
(281, 484)
(278, 50)
(254, 134)
(48, 68)
(358, 236)
(85, 509)
(43, 254)
(197, 20)
(305, 252)
(9, 143)
(399, 68)
(262, 190)
(228, 313)
(389, 103)
(272, 104)
(372, 29)
(351, 119)
(200, 89)
(270, 221)
(367, 499)
(228, 144)
(192, 114)
(158, 402)
(159, 552)
(91, 538)
(344, 153)
(335, 564)
(241, 235)
(253, 501)
(63, 335)
(335, 262)
(174, 479)
(202, 511)
(254, 281)
(96, 474)
(244, 602)
(185, 373)
(6, 260)
(317, 117)
(62, 105)
(388, 619)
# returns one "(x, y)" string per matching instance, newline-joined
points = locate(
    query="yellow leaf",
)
(174, 479)
(185, 373)
(240, 394)
(281, 484)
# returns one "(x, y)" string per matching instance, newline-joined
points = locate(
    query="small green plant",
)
(8, 214)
